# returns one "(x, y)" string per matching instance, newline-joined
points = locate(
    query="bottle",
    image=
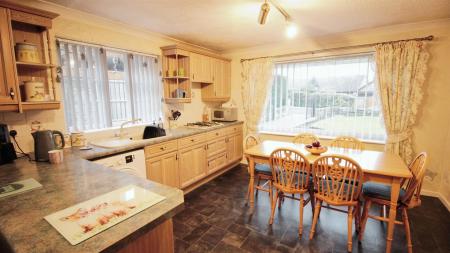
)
(205, 115)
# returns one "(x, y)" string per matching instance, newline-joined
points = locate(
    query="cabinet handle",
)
(162, 148)
(193, 76)
(176, 156)
(192, 140)
(206, 147)
(12, 93)
(217, 133)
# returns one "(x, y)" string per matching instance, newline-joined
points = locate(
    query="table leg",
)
(395, 190)
(251, 165)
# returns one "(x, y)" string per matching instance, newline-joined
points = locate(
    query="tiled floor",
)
(217, 219)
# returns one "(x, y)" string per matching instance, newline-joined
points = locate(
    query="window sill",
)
(320, 136)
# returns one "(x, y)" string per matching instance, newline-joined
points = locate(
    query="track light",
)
(291, 30)
(265, 8)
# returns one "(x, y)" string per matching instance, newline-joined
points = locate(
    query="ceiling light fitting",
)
(291, 28)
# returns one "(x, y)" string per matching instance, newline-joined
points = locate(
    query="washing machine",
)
(131, 162)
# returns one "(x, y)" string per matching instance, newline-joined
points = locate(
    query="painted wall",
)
(431, 132)
(80, 26)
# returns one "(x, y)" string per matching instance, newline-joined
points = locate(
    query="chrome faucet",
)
(121, 133)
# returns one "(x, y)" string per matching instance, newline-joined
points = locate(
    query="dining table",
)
(378, 166)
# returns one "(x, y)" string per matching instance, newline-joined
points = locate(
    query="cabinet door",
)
(226, 79)
(7, 73)
(231, 148)
(238, 146)
(164, 169)
(192, 164)
(206, 69)
(195, 67)
(217, 162)
(218, 77)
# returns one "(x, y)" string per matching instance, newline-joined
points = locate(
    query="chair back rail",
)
(413, 185)
(305, 138)
(347, 142)
(337, 179)
(251, 140)
(290, 170)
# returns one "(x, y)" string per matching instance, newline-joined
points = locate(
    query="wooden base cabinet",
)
(188, 162)
(192, 164)
(164, 169)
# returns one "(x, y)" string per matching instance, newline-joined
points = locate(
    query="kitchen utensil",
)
(56, 156)
(34, 91)
(27, 52)
(44, 141)
(175, 115)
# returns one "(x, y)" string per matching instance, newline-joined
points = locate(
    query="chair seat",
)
(263, 169)
(382, 191)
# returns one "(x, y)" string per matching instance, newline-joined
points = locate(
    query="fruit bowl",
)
(316, 150)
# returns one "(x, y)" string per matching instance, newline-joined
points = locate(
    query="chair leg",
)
(280, 199)
(270, 193)
(364, 218)
(300, 225)
(274, 203)
(357, 212)
(407, 229)
(350, 228)
(316, 216)
(257, 184)
(312, 198)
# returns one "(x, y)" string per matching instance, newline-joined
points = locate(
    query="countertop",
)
(22, 224)
(180, 132)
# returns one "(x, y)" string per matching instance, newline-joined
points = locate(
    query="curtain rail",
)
(106, 47)
(430, 37)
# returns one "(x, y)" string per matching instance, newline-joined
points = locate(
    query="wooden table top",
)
(373, 162)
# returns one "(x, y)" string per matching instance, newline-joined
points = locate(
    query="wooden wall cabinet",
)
(220, 89)
(19, 24)
(211, 70)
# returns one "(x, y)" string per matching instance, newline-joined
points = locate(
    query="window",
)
(328, 97)
(103, 88)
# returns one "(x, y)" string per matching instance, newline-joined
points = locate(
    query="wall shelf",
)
(35, 65)
(45, 105)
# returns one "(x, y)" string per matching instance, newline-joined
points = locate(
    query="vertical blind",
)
(103, 88)
(328, 97)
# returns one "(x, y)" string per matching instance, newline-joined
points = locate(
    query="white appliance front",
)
(131, 162)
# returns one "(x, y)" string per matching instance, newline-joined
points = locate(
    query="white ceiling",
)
(232, 24)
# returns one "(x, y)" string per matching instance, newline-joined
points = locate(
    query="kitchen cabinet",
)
(192, 164)
(201, 68)
(235, 147)
(8, 93)
(211, 70)
(219, 90)
(164, 169)
(21, 25)
(190, 161)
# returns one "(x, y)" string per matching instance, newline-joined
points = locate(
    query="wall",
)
(80, 26)
(431, 132)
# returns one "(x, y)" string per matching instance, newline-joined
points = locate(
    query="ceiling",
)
(232, 24)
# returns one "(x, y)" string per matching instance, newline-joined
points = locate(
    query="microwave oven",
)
(224, 114)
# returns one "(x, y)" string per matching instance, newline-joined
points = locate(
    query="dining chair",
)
(336, 180)
(409, 197)
(262, 171)
(291, 175)
(305, 138)
(347, 142)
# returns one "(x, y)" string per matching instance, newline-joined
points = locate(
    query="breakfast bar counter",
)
(22, 224)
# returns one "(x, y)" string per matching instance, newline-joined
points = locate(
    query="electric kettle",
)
(44, 141)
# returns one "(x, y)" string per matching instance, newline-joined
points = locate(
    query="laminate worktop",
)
(22, 224)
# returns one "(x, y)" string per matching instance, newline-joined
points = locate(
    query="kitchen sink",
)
(119, 142)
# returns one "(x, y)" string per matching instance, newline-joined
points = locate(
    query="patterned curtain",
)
(256, 81)
(401, 68)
